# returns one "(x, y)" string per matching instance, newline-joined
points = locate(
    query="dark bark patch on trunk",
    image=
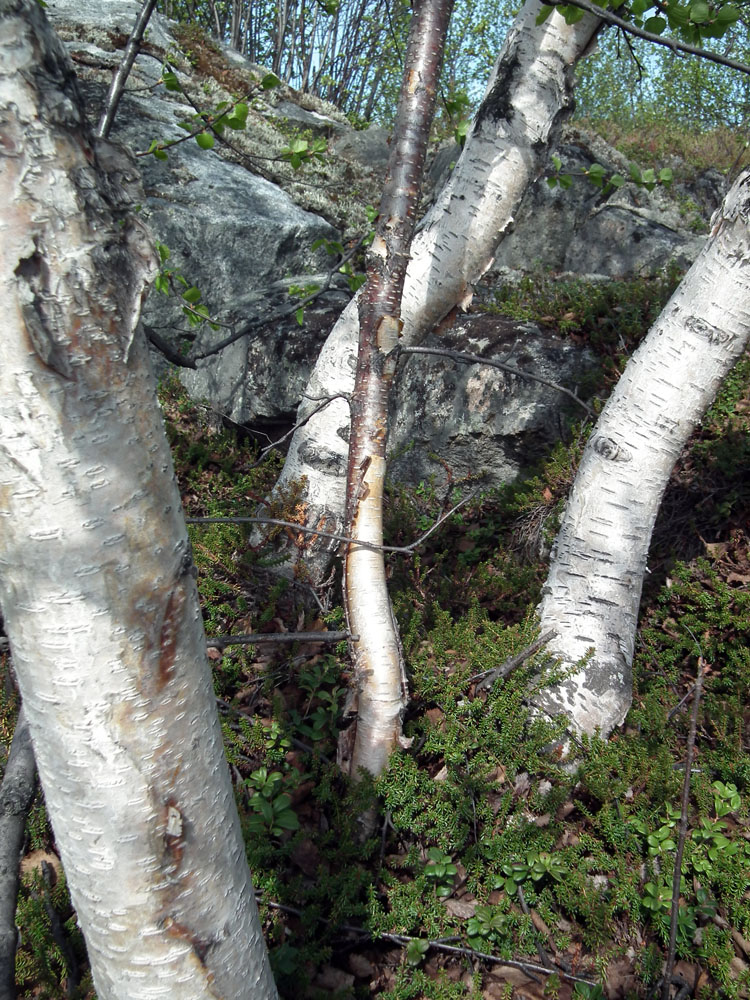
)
(498, 104)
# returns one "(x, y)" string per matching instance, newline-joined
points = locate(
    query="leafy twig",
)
(649, 36)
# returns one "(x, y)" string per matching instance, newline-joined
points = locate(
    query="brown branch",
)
(300, 423)
(16, 796)
(221, 641)
(669, 967)
(475, 359)
(488, 677)
(439, 944)
(122, 73)
(335, 536)
(649, 36)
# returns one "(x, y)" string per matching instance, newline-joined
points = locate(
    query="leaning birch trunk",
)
(96, 579)
(593, 590)
(527, 98)
(378, 666)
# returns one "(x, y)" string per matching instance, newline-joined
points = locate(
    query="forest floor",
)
(498, 869)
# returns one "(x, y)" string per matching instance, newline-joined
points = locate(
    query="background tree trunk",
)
(528, 97)
(593, 590)
(96, 578)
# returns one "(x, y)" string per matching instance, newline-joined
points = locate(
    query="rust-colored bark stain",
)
(200, 945)
(169, 635)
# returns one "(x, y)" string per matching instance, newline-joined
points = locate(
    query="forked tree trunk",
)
(528, 96)
(378, 666)
(96, 578)
(593, 589)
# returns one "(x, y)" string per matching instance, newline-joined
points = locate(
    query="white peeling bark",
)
(96, 578)
(528, 96)
(592, 594)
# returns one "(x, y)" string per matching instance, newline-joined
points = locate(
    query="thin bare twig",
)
(649, 36)
(440, 944)
(669, 967)
(475, 359)
(488, 677)
(300, 423)
(117, 86)
(335, 536)
(253, 638)
(543, 956)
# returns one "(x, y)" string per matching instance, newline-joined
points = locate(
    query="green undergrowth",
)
(656, 143)
(489, 841)
(611, 317)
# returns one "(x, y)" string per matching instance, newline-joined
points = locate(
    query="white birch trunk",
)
(592, 594)
(96, 578)
(528, 96)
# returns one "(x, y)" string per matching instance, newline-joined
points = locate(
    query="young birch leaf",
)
(655, 25)
(543, 14)
(269, 81)
(205, 140)
(699, 12)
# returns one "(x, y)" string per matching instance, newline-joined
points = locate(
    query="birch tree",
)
(527, 98)
(96, 578)
(593, 590)
(378, 662)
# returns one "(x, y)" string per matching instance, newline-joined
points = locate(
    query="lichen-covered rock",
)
(451, 421)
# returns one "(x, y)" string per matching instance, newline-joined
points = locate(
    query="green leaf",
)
(699, 12)
(416, 951)
(192, 295)
(265, 809)
(287, 820)
(556, 161)
(205, 140)
(617, 180)
(269, 81)
(655, 25)
(299, 315)
(163, 252)
(565, 181)
(665, 175)
(552, 181)
(170, 81)
(727, 14)
(543, 14)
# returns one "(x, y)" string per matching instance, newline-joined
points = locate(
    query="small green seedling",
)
(440, 870)
(416, 951)
(272, 807)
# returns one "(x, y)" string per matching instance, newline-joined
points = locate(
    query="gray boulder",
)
(476, 421)
(239, 237)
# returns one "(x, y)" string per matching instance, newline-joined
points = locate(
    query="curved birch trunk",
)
(96, 577)
(593, 590)
(378, 664)
(527, 98)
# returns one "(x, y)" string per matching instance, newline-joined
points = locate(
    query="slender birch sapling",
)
(379, 672)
